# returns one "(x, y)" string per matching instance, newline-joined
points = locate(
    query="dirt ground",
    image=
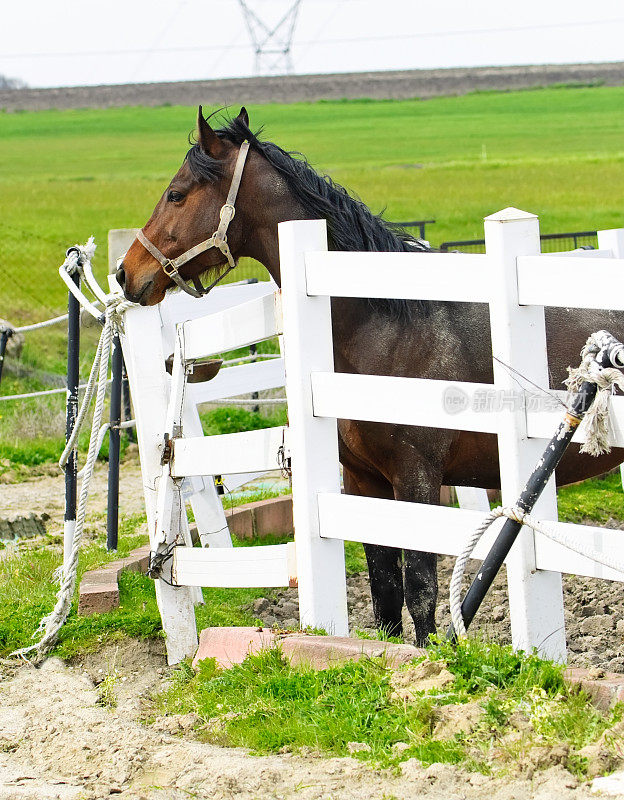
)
(58, 742)
(594, 609)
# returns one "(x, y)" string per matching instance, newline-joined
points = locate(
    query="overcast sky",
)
(78, 42)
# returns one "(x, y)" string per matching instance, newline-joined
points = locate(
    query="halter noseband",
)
(218, 239)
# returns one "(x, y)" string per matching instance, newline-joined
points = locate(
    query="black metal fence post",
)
(5, 335)
(73, 378)
(112, 518)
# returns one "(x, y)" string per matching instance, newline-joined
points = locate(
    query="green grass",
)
(67, 174)
(270, 706)
(599, 500)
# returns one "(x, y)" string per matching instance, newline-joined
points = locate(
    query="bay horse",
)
(442, 340)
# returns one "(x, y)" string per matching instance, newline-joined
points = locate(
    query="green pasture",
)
(65, 175)
(68, 174)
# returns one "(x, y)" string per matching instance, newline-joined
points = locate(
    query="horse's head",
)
(187, 214)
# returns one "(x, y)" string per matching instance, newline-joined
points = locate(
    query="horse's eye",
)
(174, 197)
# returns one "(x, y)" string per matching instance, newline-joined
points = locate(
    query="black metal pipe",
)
(112, 518)
(608, 356)
(73, 378)
(5, 335)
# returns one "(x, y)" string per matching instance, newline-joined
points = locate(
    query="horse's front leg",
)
(420, 484)
(384, 563)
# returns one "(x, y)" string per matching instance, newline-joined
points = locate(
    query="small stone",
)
(398, 748)
(595, 673)
(261, 605)
(358, 747)
(597, 625)
(498, 614)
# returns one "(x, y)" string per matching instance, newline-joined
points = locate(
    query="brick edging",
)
(231, 645)
(272, 517)
(99, 589)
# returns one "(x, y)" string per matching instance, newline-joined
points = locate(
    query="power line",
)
(346, 40)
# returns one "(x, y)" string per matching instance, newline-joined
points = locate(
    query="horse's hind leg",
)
(384, 563)
(386, 583)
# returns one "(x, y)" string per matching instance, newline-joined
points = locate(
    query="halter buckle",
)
(169, 268)
(229, 207)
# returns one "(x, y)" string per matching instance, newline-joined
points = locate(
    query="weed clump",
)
(478, 704)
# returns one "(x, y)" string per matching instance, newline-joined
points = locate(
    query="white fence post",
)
(519, 340)
(150, 403)
(313, 440)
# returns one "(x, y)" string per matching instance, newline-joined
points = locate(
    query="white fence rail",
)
(149, 338)
(511, 274)
(517, 282)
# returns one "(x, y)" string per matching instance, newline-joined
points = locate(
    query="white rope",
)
(43, 393)
(597, 442)
(606, 379)
(517, 514)
(51, 624)
(36, 325)
(130, 423)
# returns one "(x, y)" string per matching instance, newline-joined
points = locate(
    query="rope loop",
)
(115, 307)
(518, 515)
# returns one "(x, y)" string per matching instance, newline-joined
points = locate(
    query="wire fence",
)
(551, 243)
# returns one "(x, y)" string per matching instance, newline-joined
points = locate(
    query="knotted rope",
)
(606, 379)
(52, 623)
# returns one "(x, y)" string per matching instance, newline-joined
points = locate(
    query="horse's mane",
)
(351, 224)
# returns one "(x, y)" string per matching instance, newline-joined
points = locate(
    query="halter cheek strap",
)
(218, 239)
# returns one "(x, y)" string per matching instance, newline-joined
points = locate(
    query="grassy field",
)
(67, 174)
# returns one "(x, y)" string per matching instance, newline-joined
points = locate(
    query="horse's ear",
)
(207, 138)
(243, 116)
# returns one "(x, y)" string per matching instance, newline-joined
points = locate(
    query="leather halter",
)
(218, 239)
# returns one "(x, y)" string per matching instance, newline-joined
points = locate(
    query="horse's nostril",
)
(121, 276)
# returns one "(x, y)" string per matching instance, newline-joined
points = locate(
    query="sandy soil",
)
(56, 741)
(46, 494)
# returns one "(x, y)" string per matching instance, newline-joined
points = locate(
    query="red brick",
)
(324, 651)
(274, 516)
(137, 561)
(98, 598)
(98, 589)
(232, 645)
(240, 522)
(605, 691)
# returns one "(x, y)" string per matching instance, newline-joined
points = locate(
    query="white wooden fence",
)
(517, 282)
(512, 277)
(149, 337)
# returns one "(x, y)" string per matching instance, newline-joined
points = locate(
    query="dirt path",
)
(47, 494)
(57, 742)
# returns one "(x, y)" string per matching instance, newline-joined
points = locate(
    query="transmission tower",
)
(272, 41)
